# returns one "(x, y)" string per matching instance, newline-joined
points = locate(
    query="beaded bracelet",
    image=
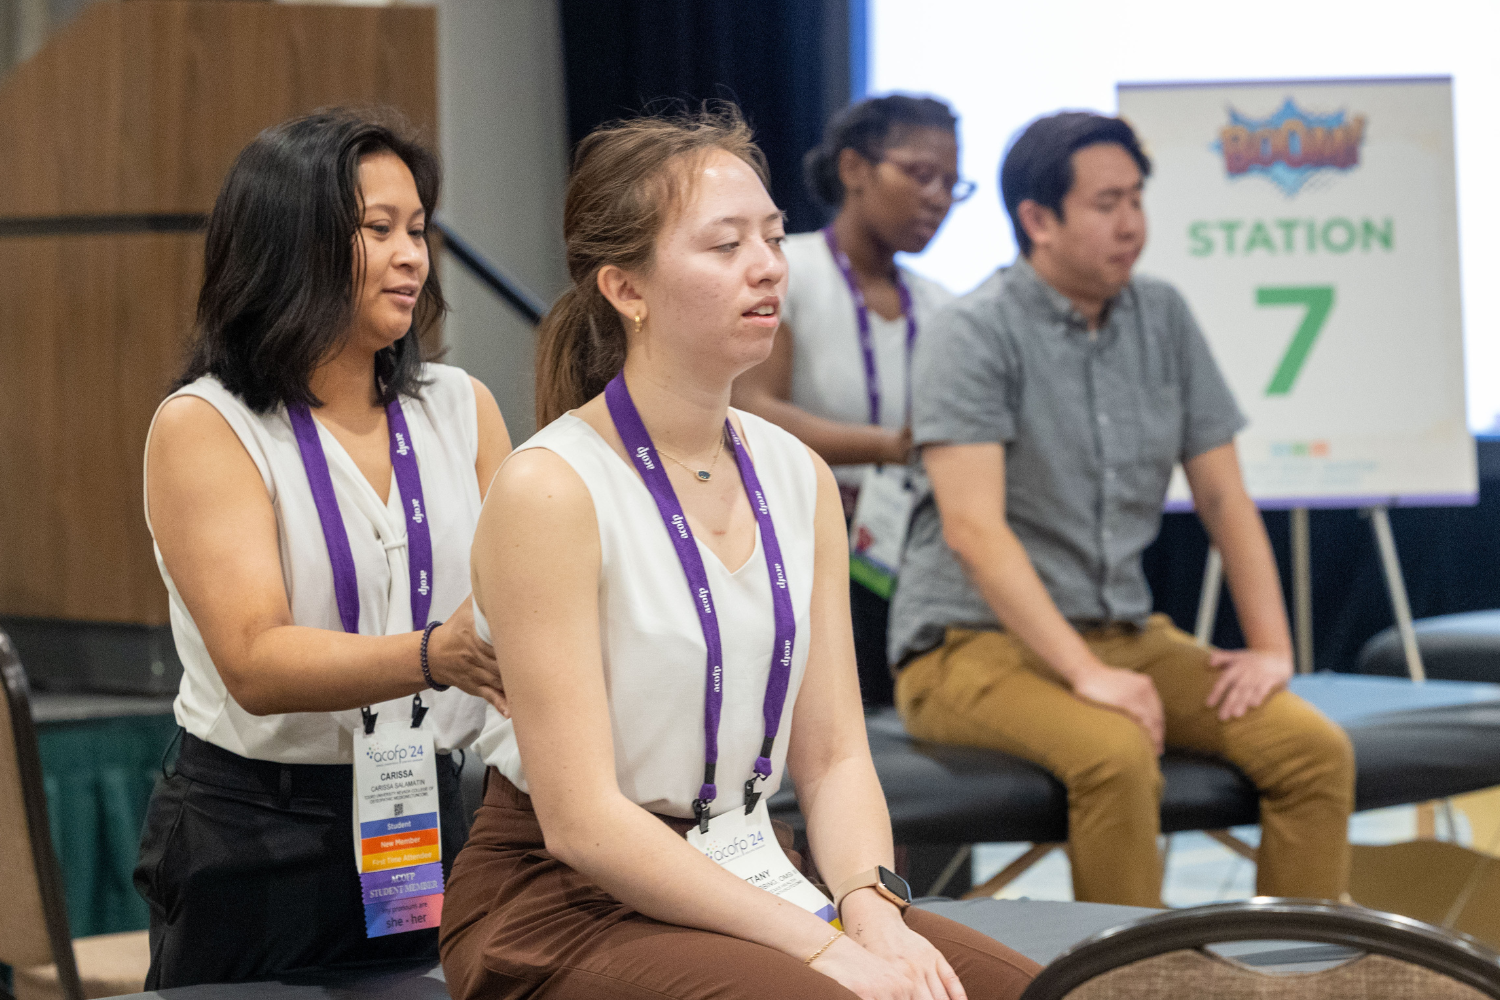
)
(426, 670)
(810, 959)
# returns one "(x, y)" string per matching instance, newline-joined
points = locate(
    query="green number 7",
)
(1319, 302)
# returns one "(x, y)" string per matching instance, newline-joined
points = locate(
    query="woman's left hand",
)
(877, 925)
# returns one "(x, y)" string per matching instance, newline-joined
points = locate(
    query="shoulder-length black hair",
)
(280, 263)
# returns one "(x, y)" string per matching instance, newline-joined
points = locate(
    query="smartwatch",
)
(892, 887)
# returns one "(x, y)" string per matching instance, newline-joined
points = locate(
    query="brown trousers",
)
(518, 923)
(988, 689)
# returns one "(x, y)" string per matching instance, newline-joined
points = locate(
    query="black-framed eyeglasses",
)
(925, 177)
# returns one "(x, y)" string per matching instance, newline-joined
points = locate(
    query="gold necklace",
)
(703, 475)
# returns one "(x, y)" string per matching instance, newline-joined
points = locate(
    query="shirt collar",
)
(1039, 295)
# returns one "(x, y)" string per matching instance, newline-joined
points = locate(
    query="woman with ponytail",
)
(664, 578)
(838, 374)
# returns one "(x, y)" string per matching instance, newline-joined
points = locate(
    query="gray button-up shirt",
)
(1092, 424)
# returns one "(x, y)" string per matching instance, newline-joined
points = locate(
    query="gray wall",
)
(504, 142)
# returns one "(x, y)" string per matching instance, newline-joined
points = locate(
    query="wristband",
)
(426, 670)
(886, 883)
(810, 959)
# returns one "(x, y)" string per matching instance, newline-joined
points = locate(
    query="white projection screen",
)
(1001, 65)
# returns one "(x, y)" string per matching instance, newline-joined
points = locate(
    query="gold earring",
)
(638, 321)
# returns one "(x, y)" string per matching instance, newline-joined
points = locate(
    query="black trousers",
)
(248, 869)
(870, 614)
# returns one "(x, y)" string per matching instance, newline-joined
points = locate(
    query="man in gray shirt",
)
(1051, 404)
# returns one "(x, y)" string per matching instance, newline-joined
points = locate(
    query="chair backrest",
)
(34, 919)
(1162, 956)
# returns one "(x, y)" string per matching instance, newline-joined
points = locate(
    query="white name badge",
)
(746, 846)
(877, 535)
(397, 835)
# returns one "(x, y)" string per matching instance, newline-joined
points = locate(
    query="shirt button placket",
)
(1105, 492)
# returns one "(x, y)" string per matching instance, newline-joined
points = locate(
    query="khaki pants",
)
(987, 689)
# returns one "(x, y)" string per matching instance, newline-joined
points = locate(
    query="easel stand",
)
(1390, 565)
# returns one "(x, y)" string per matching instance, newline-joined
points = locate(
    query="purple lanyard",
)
(408, 481)
(643, 453)
(862, 317)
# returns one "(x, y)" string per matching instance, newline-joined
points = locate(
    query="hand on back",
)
(456, 655)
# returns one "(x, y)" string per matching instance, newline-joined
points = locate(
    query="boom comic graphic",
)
(1291, 146)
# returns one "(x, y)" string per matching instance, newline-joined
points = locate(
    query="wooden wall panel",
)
(58, 108)
(141, 105)
(138, 107)
(214, 74)
(90, 347)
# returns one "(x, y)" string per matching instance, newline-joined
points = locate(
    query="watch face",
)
(895, 884)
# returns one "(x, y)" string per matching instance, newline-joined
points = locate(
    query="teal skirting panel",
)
(98, 776)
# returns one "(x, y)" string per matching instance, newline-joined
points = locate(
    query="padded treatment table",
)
(1412, 743)
(1464, 647)
(1039, 930)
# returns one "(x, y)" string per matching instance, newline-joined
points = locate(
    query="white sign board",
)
(1312, 227)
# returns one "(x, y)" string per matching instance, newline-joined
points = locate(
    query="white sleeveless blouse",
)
(445, 434)
(828, 368)
(651, 640)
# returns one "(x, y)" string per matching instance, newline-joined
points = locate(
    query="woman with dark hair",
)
(312, 488)
(669, 578)
(838, 375)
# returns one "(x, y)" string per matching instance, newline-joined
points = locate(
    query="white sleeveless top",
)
(445, 433)
(828, 369)
(651, 639)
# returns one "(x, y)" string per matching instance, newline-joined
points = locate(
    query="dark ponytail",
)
(866, 128)
(626, 176)
(581, 346)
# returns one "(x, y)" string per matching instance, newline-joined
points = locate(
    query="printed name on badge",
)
(747, 847)
(397, 836)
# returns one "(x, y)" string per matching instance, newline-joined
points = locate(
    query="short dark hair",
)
(281, 254)
(866, 128)
(1039, 164)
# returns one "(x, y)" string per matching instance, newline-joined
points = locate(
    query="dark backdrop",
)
(1450, 559)
(787, 63)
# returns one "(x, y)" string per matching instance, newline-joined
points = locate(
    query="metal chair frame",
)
(1265, 918)
(48, 874)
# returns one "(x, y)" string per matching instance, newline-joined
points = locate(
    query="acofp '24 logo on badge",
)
(1292, 146)
(400, 752)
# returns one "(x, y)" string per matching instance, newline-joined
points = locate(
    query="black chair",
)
(1388, 957)
(1462, 647)
(950, 795)
(47, 963)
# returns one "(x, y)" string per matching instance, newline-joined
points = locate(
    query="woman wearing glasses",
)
(838, 375)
